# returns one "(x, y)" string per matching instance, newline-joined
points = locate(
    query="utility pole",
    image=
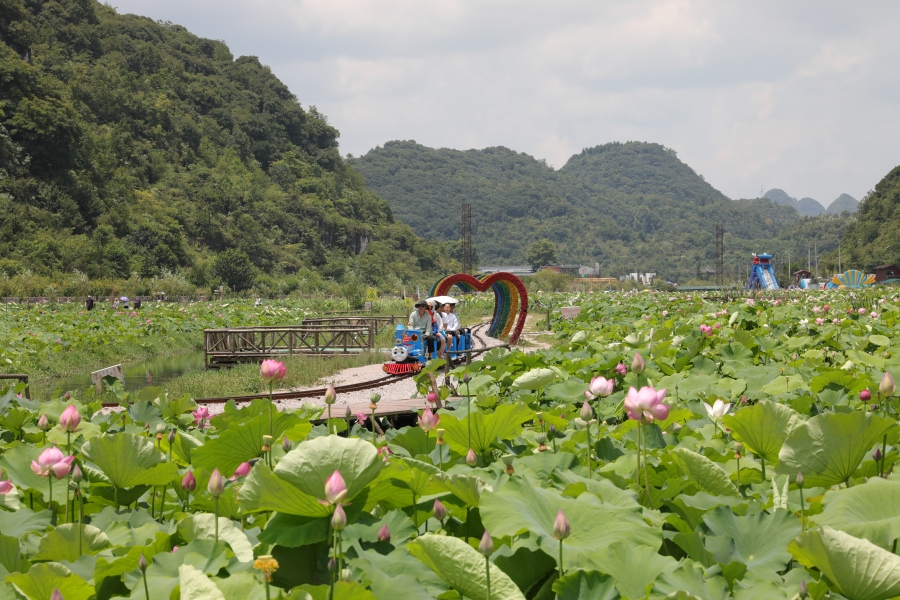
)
(840, 270)
(808, 260)
(816, 250)
(790, 275)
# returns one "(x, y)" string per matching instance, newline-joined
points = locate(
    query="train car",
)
(408, 354)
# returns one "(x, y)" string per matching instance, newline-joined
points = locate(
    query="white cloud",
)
(799, 95)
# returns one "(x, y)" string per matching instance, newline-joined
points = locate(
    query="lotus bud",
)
(466, 378)
(332, 565)
(439, 510)
(877, 455)
(799, 480)
(77, 475)
(188, 483)
(887, 386)
(56, 595)
(486, 547)
(67, 396)
(803, 591)
(339, 518)
(384, 534)
(865, 395)
(43, 424)
(70, 419)
(335, 488)
(471, 459)
(286, 445)
(744, 400)
(432, 397)
(586, 412)
(142, 564)
(243, 470)
(561, 527)
(272, 370)
(440, 437)
(171, 436)
(216, 484)
(637, 364)
(873, 407)
(330, 395)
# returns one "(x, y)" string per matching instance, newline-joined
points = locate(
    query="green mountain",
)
(874, 239)
(806, 207)
(629, 207)
(130, 146)
(844, 202)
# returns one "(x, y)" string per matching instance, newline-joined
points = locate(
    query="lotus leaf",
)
(870, 511)
(503, 424)
(763, 427)
(828, 448)
(463, 568)
(129, 460)
(43, 578)
(856, 568)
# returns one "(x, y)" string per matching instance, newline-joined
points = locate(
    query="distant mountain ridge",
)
(630, 205)
(809, 207)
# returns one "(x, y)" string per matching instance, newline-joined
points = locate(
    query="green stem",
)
(467, 525)
(329, 419)
(153, 503)
(271, 404)
(883, 454)
(415, 515)
(646, 471)
(762, 461)
(802, 512)
(469, 415)
(217, 519)
(69, 474)
(739, 473)
(162, 503)
(146, 591)
(374, 435)
(268, 594)
(487, 572)
(560, 560)
(589, 448)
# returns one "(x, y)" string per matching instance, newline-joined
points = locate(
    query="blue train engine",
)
(409, 352)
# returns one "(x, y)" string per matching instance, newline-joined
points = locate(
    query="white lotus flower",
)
(718, 410)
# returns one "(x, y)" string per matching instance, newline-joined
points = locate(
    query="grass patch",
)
(241, 380)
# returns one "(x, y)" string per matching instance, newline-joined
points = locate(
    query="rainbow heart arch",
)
(511, 299)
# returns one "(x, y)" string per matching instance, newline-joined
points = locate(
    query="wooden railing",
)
(377, 323)
(253, 344)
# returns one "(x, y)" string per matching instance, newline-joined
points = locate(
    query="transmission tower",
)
(720, 264)
(467, 238)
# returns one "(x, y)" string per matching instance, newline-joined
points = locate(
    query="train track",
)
(340, 389)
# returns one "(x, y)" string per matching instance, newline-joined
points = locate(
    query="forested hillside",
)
(134, 147)
(874, 239)
(630, 207)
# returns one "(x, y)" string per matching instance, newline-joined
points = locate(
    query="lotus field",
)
(669, 446)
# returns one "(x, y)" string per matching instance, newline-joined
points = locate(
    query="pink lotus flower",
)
(637, 363)
(706, 329)
(384, 534)
(600, 386)
(189, 483)
(5, 487)
(646, 405)
(52, 462)
(865, 395)
(272, 370)
(70, 419)
(836, 321)
(216, 484)
(826, 308)
(820, 321)
(335, 489)
(361, 419)
(862, 311)
(665, 313)
(431, 397)
(242, 471)
(621, 368)
(561, 527)
(200, 416)
(429, 420)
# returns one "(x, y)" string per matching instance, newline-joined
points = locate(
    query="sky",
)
(799, 95)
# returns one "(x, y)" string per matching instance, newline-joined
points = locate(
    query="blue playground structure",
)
(762, 276)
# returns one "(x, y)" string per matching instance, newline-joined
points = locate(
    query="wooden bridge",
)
(325, 336)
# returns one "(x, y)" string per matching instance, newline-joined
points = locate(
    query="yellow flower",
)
(267, 565)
